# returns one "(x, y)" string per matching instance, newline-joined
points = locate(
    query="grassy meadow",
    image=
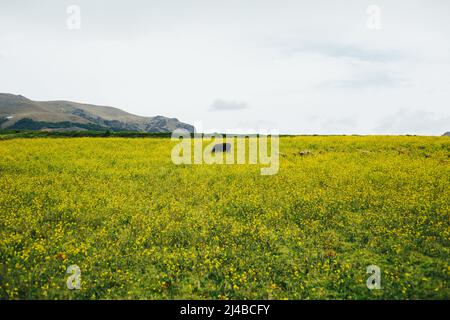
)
(140, 227)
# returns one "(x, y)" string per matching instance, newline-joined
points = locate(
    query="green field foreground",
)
(140, 227)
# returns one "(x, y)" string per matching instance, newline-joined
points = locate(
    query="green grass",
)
(140, 227)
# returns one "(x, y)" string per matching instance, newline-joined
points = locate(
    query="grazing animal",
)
(221, 147)
(304, 153)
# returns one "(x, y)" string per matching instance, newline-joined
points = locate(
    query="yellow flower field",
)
(140, 227)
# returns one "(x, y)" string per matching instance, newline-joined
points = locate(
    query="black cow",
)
(221, 147)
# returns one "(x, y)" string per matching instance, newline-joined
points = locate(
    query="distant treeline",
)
(11, 134)
(29, 124)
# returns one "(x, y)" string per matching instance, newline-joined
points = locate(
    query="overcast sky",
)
(296, 66)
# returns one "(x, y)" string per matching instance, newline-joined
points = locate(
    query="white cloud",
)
(230, 105)
(414, 122)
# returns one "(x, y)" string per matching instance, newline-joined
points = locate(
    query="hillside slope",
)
(18, 112)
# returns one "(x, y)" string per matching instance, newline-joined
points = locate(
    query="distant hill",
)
(20, 113)
(447, 134)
